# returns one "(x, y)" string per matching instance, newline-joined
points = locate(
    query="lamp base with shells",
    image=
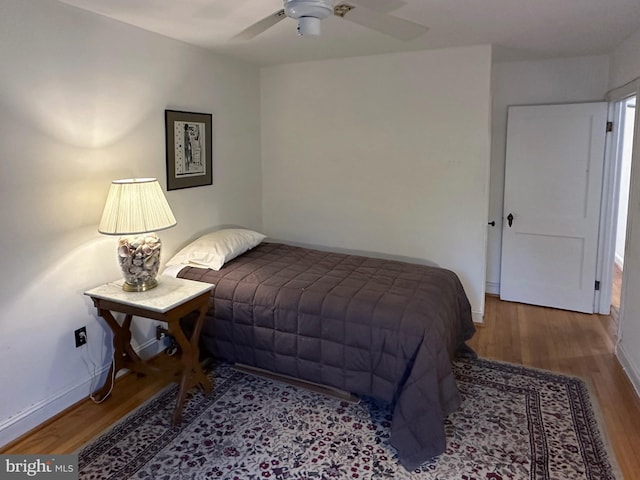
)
(139, 258)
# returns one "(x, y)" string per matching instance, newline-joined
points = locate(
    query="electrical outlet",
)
(81, 336)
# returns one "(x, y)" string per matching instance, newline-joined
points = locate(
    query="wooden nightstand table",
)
(171, 300)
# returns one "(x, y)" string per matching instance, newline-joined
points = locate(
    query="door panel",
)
(553, 186)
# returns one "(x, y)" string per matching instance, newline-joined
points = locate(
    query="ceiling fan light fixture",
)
(308, 13)
(308, 8)
(308, 26)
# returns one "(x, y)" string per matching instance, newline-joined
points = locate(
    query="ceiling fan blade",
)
(383, 6)
(399, 28)
(260, 26)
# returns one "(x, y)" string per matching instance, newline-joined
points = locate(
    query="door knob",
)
(492, 223)
(510, 219)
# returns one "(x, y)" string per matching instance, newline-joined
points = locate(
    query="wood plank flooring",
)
(561, 341)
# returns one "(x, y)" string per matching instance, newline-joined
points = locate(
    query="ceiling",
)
(518, 29)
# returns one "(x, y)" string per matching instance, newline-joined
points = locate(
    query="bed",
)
(373, 327)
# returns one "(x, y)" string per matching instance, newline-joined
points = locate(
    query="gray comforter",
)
(373, 327)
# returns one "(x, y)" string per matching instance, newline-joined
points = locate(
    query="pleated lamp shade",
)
(135, 205)
(136, 208)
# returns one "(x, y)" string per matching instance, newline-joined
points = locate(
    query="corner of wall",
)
(631, 369)
(492, 288)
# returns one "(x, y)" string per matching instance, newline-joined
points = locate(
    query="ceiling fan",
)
(368, 13)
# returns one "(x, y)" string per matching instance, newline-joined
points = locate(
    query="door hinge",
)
(597, 285)
(609, 127)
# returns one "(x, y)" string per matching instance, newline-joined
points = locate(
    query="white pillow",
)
(214, 249)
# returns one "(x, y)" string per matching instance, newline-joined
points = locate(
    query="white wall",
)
(386, 154)
(625, 67)
(82, 102)
(580, 79)
(625, 62)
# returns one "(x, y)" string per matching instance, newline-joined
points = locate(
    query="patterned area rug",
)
(514, 423)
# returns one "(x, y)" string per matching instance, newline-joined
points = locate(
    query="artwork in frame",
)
(189, 149)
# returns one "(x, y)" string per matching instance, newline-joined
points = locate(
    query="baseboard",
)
(492, 288)
(477, 317)
(38, 413)
(629, 367)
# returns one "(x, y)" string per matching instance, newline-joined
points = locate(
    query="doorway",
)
(625, 110)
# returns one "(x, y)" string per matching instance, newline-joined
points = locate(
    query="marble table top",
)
(169, 293)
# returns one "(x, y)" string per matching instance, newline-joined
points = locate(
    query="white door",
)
(553, 185)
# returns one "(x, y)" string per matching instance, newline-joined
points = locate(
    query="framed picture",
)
(189, 149)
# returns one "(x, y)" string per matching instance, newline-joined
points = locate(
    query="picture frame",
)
(189, 149)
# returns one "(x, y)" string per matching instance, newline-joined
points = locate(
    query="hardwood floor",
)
(561, 341)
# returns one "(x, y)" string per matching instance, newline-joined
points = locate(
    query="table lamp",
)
(135, 209)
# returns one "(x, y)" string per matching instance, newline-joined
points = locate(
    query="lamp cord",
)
(87, 362)
(113, 381)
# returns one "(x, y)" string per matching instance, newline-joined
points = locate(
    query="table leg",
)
(124, 356)
(192, 373)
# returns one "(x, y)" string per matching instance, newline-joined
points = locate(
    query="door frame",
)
(610, 193)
